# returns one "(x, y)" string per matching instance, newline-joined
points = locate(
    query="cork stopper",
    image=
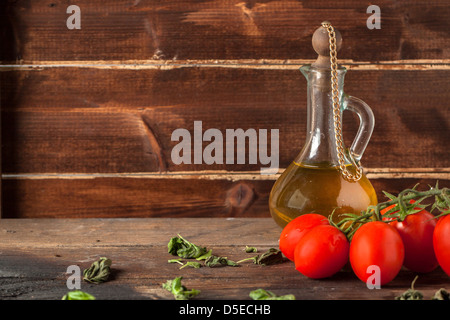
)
(321, 44)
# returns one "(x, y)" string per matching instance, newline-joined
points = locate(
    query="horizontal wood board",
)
(95, 120)
(174, 30)
(186, 196)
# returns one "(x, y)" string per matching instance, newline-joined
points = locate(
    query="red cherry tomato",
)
(441, 242)
(321, 252)
(416, 231)
(296, 229)
(376, 244)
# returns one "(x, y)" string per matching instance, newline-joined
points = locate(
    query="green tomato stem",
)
(373, 213)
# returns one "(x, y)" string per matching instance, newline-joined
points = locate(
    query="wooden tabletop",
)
(35, 255)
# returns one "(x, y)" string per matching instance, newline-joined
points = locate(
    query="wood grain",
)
(192, 195)
(173, 30)
(94, 109)
(80, 120)
(36, 253)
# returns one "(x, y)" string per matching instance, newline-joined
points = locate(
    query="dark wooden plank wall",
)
(87, 115)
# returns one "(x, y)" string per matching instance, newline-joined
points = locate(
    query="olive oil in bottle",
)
(320, 189)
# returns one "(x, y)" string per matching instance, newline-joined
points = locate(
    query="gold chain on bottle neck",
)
(337, 111)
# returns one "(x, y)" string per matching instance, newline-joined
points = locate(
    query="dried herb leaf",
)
(216, 261)
(261, 294)
(99, 271)
(174, 244)
(192, 264)
(271, 256)
(77, 295)
(411, 294)
(178, 246)
(441, 294)
(250, 249)
(178, 290)
(175, 261)
(205, 256)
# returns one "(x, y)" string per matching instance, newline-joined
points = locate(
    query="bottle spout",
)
(305, 70)
(321, 44)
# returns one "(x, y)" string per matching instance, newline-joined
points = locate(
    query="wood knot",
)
(239, 198)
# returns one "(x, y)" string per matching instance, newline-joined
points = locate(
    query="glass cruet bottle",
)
(315, 181)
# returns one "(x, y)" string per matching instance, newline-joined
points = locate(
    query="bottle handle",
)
(366, 124)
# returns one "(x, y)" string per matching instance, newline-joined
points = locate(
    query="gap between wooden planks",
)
(372, 173)
(423, 64)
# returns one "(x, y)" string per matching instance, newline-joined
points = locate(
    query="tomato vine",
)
(408, 201)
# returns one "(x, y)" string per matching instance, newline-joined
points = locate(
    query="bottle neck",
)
(320, 144)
